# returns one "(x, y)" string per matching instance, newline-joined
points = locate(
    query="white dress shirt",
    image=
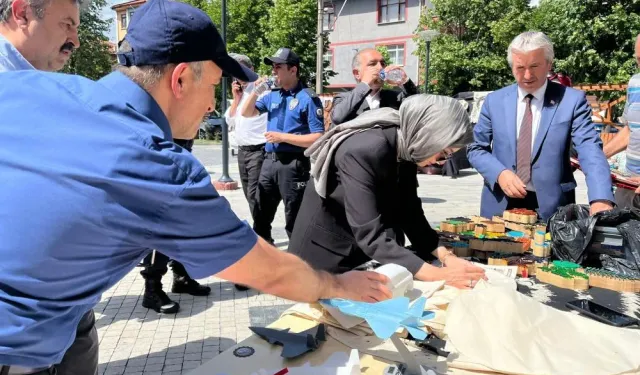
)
(536, 110)
(248, 131)
(374, 100)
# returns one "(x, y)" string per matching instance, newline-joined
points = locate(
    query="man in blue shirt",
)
(295, 121)
(45, 33)
(48, 45)
(92, 180)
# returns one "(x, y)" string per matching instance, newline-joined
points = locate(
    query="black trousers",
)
(283, 177)
(250, 160)
(82, 356)
(154, 271)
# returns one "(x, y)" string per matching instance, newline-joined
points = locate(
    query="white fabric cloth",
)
(374, 100)
(248, 131)
(536, 110)
(504, 331)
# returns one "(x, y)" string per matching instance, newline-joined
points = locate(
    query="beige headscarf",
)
(427, 124)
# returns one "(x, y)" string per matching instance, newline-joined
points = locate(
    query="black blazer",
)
(348, 105)
(372, 202)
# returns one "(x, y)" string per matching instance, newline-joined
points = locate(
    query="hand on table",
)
(511, 184)
(366, 286)
(461, 273)
(601, 206)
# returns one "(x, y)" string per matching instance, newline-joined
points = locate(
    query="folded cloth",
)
(501, 330)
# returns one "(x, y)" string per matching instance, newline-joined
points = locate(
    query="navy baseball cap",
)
(170, 32)
(283, 56)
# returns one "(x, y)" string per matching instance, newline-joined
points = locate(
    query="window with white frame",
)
(391, 11)
(131, 11)
(328, 19)
(328, 58)
(396, 54)
(123, 21)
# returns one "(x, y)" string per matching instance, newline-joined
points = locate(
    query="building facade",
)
(124, 12)
(351, 26)
(356, 24)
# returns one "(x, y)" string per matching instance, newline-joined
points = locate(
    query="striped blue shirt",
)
(632, 115)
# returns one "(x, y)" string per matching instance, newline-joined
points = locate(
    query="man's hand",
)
(511, 184)
(236, 90)
(275, 137)
(363, 286)
(600, 206)
(371, 76)
(402, 81)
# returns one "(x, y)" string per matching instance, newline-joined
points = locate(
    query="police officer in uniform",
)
(155, 266)
(295, 121)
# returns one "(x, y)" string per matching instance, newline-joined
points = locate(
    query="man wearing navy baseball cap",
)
(98, 182)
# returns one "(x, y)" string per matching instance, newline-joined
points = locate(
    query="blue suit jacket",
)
(566, 118)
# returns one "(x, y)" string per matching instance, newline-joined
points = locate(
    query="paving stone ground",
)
(135, 340)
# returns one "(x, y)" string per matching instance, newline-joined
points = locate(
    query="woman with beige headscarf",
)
(362, 198)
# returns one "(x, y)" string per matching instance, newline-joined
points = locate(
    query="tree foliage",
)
(258, 28)
(92, 59)
(593, 40)
(294, 24)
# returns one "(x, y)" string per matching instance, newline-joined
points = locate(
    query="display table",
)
(267, 356)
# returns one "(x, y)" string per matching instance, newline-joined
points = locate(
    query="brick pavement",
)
(135, 340)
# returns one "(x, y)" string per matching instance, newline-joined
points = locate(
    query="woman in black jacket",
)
(362, 198)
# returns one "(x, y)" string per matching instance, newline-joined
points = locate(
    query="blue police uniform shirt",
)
(295, 111)
(91, 181)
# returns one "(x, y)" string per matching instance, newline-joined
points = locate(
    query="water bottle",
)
(265, 86)
(394, 75)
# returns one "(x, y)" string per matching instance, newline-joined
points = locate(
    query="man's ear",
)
(356, 74)
(179, 81)
(21, 12)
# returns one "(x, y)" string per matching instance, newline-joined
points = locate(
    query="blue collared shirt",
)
(91, 182)
(10, 58)
(291, 111)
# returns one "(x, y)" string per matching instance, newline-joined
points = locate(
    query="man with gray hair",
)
(368, 93)
(38, 34)
(523, 138)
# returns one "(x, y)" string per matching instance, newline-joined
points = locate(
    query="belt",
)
(17, 370)
(285, 156)
(251, 147)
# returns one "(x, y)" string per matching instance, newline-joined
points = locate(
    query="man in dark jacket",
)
(368, 93)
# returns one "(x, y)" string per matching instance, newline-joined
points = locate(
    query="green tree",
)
(470, 53)
(593, 41)
(244, 33)
(294, 24)
(92, 59)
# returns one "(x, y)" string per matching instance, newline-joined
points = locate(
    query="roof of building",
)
(132, 3)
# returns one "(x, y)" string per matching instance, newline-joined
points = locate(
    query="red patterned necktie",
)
(523, 165)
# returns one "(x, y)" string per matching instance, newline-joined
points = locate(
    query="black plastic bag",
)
(572, 228)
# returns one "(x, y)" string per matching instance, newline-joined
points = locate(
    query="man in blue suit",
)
(523, 139)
